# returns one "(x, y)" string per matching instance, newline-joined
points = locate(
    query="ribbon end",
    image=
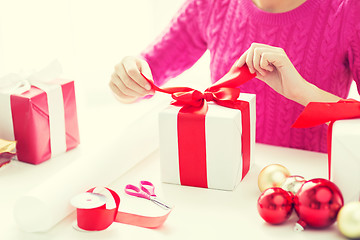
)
(234, 78)
(297, 124)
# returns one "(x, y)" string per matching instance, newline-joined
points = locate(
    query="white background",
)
(88, 37)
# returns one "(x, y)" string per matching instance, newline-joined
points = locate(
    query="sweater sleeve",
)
(181, 44)
(354, 46)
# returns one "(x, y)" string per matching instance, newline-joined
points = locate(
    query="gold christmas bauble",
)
(348, 220)
(273, 175)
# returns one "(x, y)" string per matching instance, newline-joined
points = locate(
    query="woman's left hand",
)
(272, 65)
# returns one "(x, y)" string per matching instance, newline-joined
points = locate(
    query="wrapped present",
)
(39, 113)
(345, 158)
(207, 139)
(216, 161)
(343, 142)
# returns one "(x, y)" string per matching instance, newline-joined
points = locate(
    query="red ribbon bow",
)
(316, 113)
(191, 122)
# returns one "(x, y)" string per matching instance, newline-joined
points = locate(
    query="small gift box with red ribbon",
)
(343, 141)
(39, 112)
(207, 139)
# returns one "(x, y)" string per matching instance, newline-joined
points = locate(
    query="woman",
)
(306, 50)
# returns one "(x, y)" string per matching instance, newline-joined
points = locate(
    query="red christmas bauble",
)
(275, 205)
(317, 203)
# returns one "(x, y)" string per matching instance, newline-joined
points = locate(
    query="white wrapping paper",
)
(345, 158)
(223, 144)
(47, 204)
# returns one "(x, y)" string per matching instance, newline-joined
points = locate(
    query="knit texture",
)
(321, 38)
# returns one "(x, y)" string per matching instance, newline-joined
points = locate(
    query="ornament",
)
(293, 183)
(273, 175)
(317, 204)
(275, 205)
(348, 220)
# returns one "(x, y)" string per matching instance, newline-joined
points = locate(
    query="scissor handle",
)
(148, 188)
(135, 191)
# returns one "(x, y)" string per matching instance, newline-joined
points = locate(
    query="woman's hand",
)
(272, 65)
(127, 83)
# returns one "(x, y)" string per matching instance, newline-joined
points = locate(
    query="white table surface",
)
(198, 213)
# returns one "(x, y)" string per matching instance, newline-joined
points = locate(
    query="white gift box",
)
(223, 131)
(345, 158)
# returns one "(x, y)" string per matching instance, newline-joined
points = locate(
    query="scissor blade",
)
(160, 203)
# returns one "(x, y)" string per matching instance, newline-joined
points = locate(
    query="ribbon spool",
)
(98, 208)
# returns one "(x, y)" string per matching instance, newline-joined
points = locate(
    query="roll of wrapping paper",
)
(49, 203)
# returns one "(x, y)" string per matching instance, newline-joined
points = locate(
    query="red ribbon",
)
(191, 122)
(100, 218)
(316, 113)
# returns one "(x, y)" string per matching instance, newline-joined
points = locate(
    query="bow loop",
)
(17, 84)
(316, 113)
(13, 83)
(225, 93)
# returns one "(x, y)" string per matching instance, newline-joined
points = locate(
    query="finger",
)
(242, 60)
(256, 60)
(119, 95)
(249, 59)
(265, 64)
(145, 70)
(273, 59)
(129, 82)
(116, 90)
(133, 70)
(118, 81)
(260, 63)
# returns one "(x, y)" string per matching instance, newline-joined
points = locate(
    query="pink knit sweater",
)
(321, 38)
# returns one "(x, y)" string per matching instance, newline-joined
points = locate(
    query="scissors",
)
(147, 191)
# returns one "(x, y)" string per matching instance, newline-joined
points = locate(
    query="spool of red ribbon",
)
(98, 208)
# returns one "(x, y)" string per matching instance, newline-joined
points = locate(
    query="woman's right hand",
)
(127, 83)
